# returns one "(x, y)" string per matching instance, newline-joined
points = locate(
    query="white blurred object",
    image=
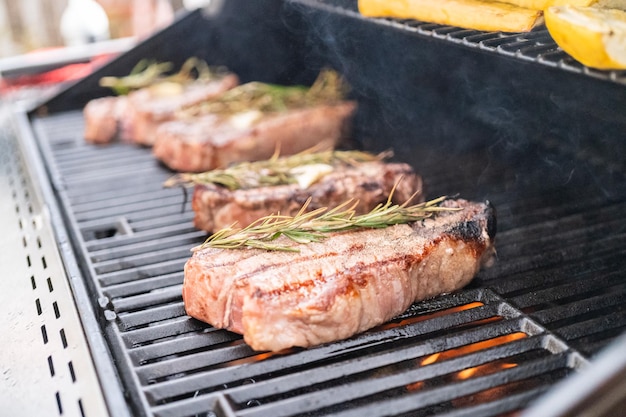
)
(195, 4)
(83, 22)
(151, 15)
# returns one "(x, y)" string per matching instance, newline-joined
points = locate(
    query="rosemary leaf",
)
(314, 226)
(272, 172)
(150, 72)
(329, 87)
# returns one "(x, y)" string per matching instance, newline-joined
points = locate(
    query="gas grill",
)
(100, 244)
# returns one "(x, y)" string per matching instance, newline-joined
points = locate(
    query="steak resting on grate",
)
(150, 107)
(212, 141)
(136, 116)
(104, 118)
(343, 285)
(217, 207)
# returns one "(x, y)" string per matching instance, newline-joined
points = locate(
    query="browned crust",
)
(209, 143)
(135, 117)
(102, 118)
(216, 207)
(147, 112)
(336, 288)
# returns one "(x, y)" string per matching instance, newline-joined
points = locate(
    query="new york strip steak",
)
(348, 283)
(213, 141)
(135, 117)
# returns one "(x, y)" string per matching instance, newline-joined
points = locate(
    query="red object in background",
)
(65, 73)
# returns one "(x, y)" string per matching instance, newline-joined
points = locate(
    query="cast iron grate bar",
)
(141, 259)
(141, 272)
(140, 237)
(157, 313)
(177, 240)
(443, 400)
(255, 369)
(121, 291)
(178, 366)
(408, 358)
(346, 395)
(369, 340)
(157, 299)
(158, 332)
(501, 407)
(197, 361)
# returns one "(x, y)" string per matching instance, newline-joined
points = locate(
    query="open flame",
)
(484, 369)
(429, 316)
(473, 347)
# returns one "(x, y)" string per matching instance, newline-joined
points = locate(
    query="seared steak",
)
(135, 117)
(151, 106)
(213, 141)
(333, 289)
(103, 118)
(371, 183)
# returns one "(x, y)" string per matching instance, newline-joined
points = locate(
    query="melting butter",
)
(307, 175)
(166, 89)
(245, 120)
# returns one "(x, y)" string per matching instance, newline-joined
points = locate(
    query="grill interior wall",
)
(547, 162)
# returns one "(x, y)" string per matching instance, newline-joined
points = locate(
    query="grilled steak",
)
(135, 117)
(217, 207)
(151, 106)
(333, 289)
(212, 141)
(103, 118)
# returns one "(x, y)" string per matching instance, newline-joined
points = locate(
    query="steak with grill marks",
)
(348, 283)
(212, 141)
(104, 118)
(136, 116)
(151, 106)
(217, 207)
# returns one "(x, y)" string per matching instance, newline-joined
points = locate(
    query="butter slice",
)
(307, 175)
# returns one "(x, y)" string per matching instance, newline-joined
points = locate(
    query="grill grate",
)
(550, 303)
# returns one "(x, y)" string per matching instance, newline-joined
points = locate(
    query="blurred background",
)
(30, 25)
(46, 44)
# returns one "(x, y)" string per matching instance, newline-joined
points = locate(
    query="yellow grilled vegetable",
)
(595, 37)
(605, 4)
(532, 4)
(544, 4)
(482, 15)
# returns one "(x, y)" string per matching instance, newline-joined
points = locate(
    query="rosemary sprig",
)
(149, 72)
(314, 226)
(274, 171)
(266, 98)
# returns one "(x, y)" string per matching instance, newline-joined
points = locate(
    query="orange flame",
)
(473, 347)
(428, 316)
(479, 370)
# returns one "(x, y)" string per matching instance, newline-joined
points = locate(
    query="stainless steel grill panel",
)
(46, 365)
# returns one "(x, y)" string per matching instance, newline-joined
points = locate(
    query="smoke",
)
(430, 97)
